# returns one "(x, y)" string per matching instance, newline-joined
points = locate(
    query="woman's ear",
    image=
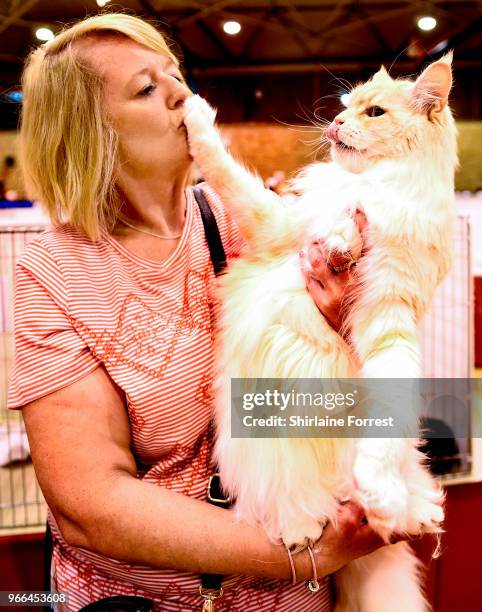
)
(431, 90)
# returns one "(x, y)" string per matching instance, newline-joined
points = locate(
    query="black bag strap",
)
(213, 237)
(211, 588)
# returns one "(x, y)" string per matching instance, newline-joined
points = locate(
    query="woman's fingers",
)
(362, 223)
(351, 515)
(360, 219)
(326, 287)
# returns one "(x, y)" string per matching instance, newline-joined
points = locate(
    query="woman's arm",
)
(80, 444)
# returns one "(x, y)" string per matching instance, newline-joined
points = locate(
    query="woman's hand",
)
(327, 287)
(350, 539)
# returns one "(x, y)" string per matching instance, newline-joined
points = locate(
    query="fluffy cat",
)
(394, 152)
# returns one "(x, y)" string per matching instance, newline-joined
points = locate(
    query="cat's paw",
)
(198, 111)
(425, 513)
(342, 247)
(199, 120)
(382, 493)
(345, 238)
(302, 532)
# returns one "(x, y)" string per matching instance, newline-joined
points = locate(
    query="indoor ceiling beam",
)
(9, 58)
(465, 34)
(186, 10)
(27, 23)
(293, 32)
(204, 11)
(375, 31)
(175, 35)
(258, 30)
(17, 13)
(13, 5)
(294, 15)
(375, 18)
(288, 67)
(225, 50)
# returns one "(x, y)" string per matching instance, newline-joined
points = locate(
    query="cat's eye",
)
(375, 111)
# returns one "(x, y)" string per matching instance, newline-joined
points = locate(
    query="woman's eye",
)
(375, 111)
(147, 90)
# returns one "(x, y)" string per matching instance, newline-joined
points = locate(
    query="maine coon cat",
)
(394, 151)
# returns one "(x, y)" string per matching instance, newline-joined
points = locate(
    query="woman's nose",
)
(178, 94)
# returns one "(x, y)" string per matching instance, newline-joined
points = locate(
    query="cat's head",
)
(389, 118)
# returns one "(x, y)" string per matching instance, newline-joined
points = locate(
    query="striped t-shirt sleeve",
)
(49, 353)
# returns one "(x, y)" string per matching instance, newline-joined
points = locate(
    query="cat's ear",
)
(432, 88)
(381, 76)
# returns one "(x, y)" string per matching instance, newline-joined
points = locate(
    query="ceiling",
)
(290, 47)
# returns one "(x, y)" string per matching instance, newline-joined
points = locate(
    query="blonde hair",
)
(68, 150)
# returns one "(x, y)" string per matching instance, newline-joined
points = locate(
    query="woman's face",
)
(143, 98)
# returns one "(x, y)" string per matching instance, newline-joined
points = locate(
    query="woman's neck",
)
(154, 204)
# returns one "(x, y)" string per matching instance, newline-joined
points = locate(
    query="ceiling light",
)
(345, 99)
(44, 34)
(102, 3)
(232, 27)
(427, 23)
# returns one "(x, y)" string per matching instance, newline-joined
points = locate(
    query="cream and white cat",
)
(394, 152)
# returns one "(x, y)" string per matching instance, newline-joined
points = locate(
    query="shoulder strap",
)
(216, 249)
(211, 588)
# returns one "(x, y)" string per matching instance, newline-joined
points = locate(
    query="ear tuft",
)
(447, 58)
(381, 75)
(432, 88)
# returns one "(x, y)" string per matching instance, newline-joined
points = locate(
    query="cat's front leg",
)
(381, 488)
(425, 513)
(205, 144)
(397, 491)
(264, 220)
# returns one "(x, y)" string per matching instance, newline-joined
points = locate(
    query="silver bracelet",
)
(292, 565)
(313, 585)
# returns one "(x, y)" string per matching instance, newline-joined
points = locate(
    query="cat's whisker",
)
(298, 128)
(336, 78)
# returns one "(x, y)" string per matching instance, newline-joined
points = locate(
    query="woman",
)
(114, 339)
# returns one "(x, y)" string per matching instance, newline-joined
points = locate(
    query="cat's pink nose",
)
(331, 131)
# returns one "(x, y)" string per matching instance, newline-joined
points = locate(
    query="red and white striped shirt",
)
(80, 304)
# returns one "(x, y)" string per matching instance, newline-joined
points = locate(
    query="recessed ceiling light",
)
(345, 99)
(232, 27)
(44, 34)
(427, 23)
(102, 3)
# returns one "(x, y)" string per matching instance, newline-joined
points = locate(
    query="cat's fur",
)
(401, 173)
